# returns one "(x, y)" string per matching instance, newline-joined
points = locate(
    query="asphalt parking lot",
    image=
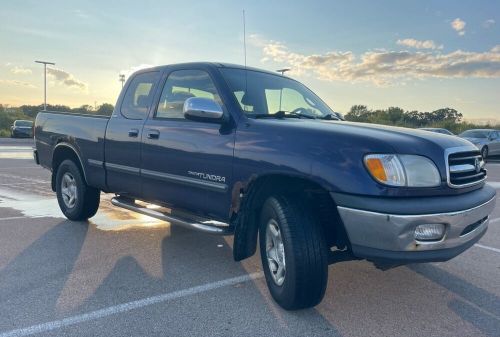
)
(123, 274)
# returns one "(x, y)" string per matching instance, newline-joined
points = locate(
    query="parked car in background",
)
(486, 140)
(21, 128)
(438, 130)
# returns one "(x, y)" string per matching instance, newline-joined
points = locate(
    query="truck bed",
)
(84, 132)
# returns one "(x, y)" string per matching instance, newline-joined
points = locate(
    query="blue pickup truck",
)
(225, 149)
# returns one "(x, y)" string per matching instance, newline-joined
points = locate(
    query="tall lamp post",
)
(283, 71)
(45, 82)
(122, 79)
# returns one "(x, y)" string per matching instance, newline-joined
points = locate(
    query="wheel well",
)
(315, 196)
(61, 153)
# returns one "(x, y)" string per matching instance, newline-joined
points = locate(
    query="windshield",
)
(260, 93)
(23, 123)
(475, 134)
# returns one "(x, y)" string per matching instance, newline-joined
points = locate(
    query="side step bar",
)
(200, 225)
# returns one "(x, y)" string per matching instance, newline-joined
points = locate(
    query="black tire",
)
(305, 251)
(484, 152)
(87, 199)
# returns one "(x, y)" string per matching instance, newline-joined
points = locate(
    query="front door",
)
(187, 164)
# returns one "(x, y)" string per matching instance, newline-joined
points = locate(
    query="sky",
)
(418, 55)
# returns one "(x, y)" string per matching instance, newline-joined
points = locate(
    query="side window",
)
(139, 96)
(181, 85)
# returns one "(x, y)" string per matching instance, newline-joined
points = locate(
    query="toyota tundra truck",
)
(230, 150)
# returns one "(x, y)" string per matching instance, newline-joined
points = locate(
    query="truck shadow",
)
(31, 282)
(477, 306)
(59, 265)
(191, 259)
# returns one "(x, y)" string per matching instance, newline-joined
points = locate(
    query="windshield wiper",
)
(282, 114)
(262, 115)
(329, 117)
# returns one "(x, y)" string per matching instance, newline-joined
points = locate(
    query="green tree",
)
(358, 113)
(395, 115)
(84, 109)
(105, 109)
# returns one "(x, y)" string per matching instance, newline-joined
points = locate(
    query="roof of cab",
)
(205, 64)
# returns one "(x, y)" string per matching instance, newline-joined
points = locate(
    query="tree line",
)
(28, 112)
(447, 118)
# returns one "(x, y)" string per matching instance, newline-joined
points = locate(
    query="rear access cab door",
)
(188, 164)
(124, 133)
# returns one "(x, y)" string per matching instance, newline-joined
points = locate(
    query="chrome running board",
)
(184, 220)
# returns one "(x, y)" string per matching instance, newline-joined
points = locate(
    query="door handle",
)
(153, 134)
(133, 133)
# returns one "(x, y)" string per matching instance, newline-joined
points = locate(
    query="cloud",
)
(20, 70)
(384, 67)
(412, 43)
(81, 14)
(40, 33)
(66, 79)
(488, 23)
(17, 83)
(458, 25)
(133, 69)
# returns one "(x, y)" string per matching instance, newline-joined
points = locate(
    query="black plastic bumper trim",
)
(416, 205)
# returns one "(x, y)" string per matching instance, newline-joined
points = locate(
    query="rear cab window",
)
(139, 95)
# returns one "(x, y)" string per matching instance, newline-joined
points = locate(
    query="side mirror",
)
(202, 109)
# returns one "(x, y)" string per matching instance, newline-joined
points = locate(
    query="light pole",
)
(45, 82)
(283, 71)
(122, 79)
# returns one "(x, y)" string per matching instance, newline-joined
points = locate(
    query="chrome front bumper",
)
(391, 236)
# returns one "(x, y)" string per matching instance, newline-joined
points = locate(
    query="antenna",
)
(244, 39)
(245, 54)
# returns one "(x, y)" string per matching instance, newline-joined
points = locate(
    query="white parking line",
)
(494, 184)
(30, 183)
(20, 167)
(19, 217)
(121, 308)
(488, 248)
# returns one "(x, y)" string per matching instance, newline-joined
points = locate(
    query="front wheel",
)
(77, 200)
(293, 252)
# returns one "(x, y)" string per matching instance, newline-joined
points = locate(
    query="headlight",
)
(403, 170)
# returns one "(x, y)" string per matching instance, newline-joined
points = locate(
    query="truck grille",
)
(465, 169)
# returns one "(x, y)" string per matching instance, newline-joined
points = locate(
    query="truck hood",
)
(402, 140)
(333, 151)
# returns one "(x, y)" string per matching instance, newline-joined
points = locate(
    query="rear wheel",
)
(77, 200)
(294, 253)
(484, 152)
